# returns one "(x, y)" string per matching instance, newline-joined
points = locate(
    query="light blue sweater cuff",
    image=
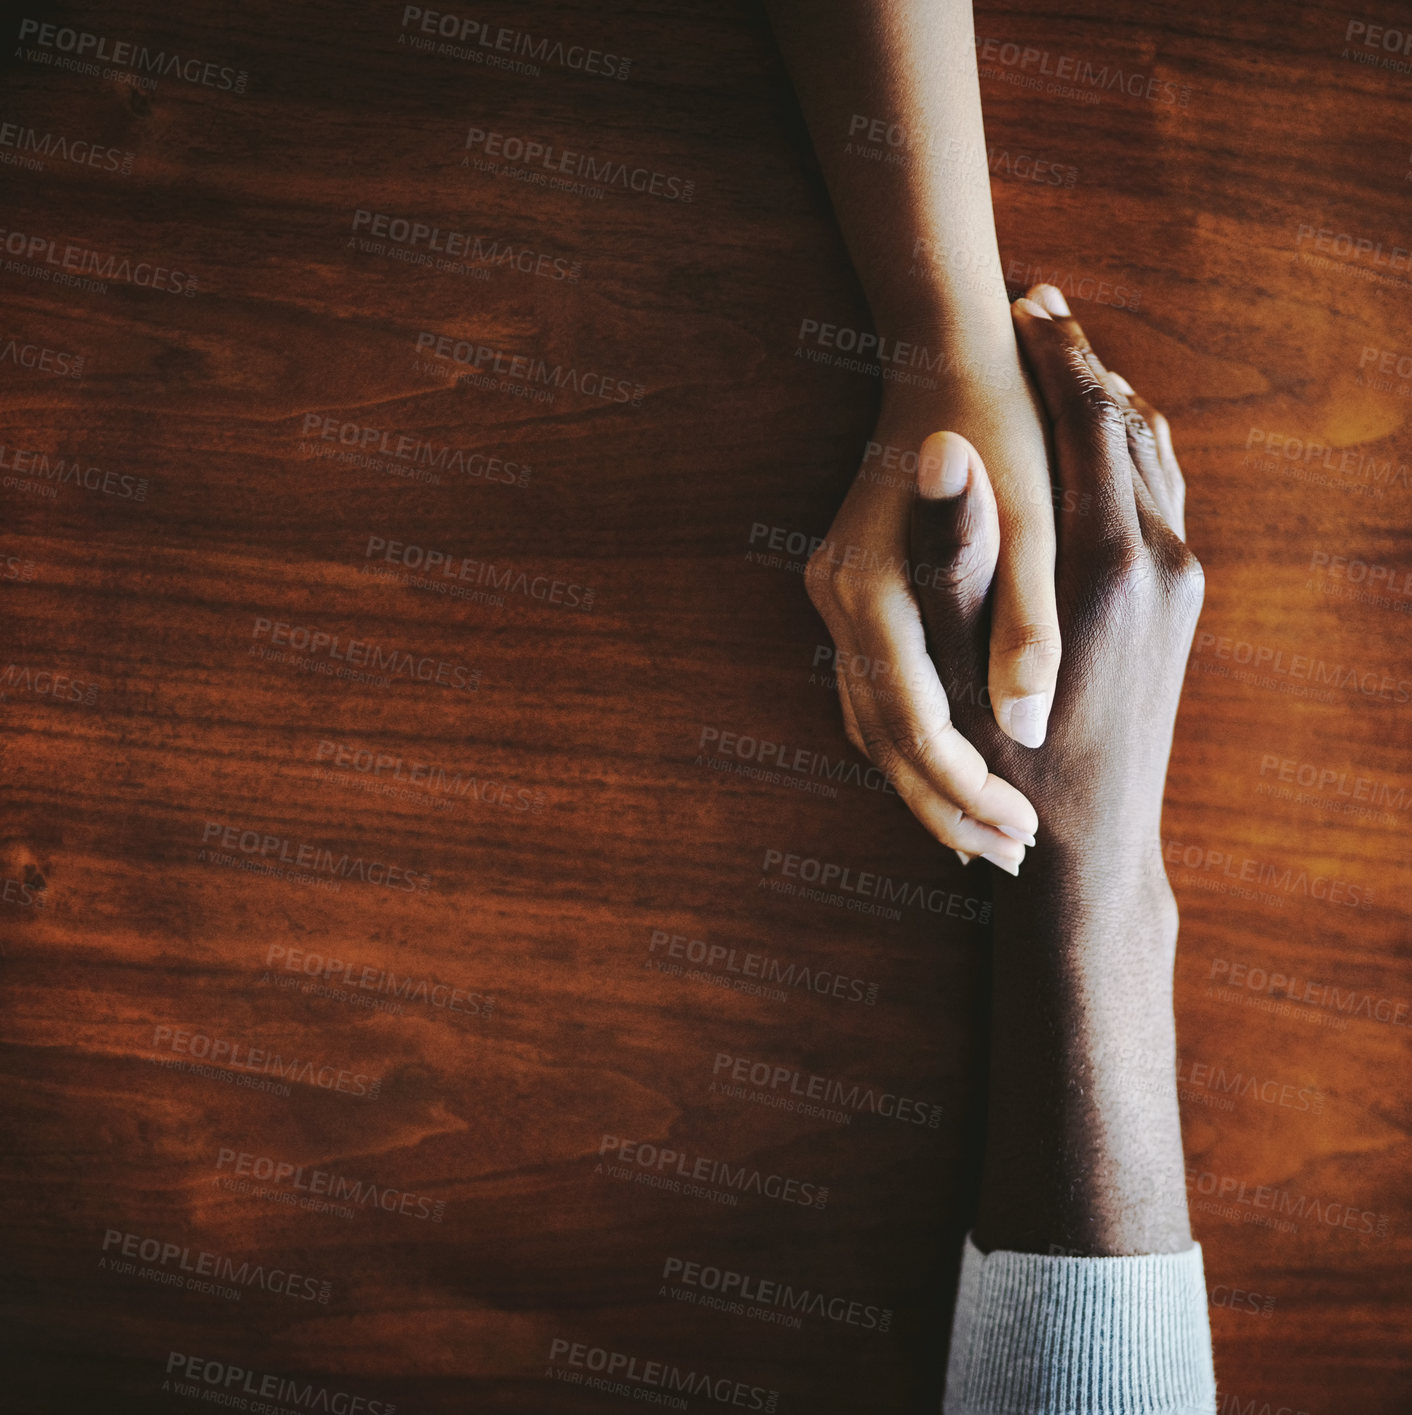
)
(1035, 1335)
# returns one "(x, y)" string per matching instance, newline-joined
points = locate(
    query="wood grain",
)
(567, 819)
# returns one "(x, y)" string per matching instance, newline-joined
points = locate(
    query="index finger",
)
(910, 734)
(1090, 435)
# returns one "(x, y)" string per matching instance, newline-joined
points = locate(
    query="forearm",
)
(1084, 1152)
(918, 225)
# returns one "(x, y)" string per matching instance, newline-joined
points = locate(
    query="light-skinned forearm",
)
(910, 66)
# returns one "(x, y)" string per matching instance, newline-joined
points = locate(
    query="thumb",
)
(954, 541)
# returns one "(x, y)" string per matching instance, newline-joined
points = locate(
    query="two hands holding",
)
(1035, 654)
(1087, 614)
(1035, 629)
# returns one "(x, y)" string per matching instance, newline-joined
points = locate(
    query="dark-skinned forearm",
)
(1084, 1152)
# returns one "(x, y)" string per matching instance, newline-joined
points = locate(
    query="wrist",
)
(963, 367)
(941, 317)
(1083, 908)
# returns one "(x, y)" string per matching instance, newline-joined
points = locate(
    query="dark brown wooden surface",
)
(595, 821)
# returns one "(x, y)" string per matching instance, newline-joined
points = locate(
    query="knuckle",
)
(1139, 429)
(1122, 559)
(1090, 409)
(1102, 410)
(888, 759)
(958, 570)
(916, 749)
(912, 747)
(1189, 580)
(860, 595)
(819, 580)
(1037, 646)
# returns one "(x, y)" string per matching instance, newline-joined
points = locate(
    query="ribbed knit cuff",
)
(1035, 1335)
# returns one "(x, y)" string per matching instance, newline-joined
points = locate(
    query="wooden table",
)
(432, 858)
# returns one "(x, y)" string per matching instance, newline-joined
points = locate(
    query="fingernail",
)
(1011, 867)
(1015, 833)
(964, 858)
(1052, 299)
(945, 476)
(1028, 306)
(1025, 719)
(1123, 385)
